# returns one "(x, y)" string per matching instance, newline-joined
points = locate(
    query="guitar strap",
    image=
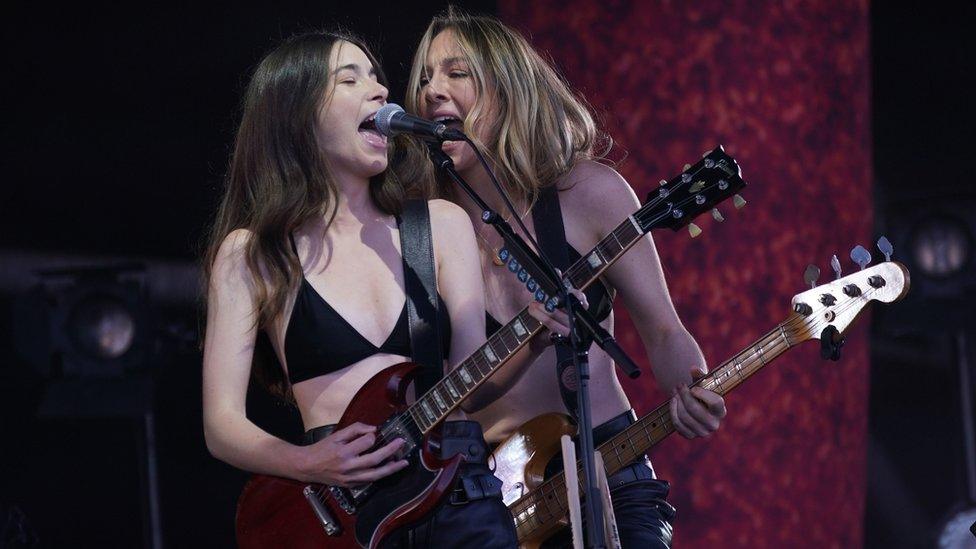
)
(551, 234)
(420, 285)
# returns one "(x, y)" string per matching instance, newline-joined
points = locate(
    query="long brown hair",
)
(541, 128)
(278, 178)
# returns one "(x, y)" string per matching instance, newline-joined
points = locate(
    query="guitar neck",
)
(447, 394)
(547, 503)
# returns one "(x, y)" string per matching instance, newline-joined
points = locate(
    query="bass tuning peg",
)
(886, 248)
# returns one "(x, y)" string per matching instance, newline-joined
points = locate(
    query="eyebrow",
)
(354, 67)
(448, 61)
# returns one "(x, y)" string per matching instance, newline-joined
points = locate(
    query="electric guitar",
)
(823, 312)
(280, 512)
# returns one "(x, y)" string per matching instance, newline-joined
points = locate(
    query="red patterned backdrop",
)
(785, 87)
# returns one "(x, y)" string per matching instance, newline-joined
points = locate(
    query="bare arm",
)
(230, 435)
(675, 356)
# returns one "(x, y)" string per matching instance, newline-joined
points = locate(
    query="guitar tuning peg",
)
(694, 230)
(664, 182)
(704, 154)
(811, 274)
(717, 215)
(686, 168)
(885, 246)
(835, 265)
(738, 201)
(860, 256)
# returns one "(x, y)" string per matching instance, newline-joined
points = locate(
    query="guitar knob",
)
(876, 281)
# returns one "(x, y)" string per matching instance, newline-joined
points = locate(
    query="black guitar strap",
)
(420, 286)
(551, 234)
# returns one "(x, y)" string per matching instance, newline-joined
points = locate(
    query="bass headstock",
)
(830, 309)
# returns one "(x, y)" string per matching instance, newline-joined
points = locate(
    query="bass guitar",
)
(824, 313)
(280, 512)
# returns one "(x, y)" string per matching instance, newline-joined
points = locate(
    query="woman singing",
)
(306, 250)
(477, 74)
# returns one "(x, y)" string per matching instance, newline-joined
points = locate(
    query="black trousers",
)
(639, 498)
(473, 515)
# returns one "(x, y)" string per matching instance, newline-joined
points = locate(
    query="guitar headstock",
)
(839, 302)
(697, 189)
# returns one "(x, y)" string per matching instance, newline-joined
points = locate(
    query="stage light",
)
(941, 246)
(92, 322)
(102, 327)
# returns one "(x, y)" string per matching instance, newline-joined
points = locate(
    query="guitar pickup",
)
(343, 499)
(321, 512)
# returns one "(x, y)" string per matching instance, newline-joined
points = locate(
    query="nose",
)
(433, 92)
(379, 93)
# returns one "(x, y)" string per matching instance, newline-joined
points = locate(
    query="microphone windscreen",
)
(384, 116)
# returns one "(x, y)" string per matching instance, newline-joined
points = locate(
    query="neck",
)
(355, 204)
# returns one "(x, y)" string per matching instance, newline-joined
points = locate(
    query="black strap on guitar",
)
(420, 285)
(551, 235)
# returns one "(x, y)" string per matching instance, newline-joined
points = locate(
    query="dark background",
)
(119, 123)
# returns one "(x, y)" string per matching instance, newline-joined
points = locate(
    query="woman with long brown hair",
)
(305, 250)
(476, 73)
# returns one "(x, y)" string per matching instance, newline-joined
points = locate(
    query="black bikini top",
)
(320, 341)
(598, 295)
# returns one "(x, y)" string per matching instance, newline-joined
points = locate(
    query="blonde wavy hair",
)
(541, 128)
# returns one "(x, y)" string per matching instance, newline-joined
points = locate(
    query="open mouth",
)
(369, 131)
(450, 121)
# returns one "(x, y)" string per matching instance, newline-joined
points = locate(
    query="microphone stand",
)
(549, 284)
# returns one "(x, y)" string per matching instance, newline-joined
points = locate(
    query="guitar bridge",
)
(344, 499)
(325, 517)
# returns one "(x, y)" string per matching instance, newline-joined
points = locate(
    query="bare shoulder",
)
(230, 263)
(448, 216)
(594, 187)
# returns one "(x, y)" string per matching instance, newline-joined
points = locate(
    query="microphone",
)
(391, 119)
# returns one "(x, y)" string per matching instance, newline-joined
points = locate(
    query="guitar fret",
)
(637, 227)
(465, 376)
(759, 353)
(439, 400)
(449, 384)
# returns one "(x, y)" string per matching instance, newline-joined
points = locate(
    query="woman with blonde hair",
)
(306, 251)
(475, 73)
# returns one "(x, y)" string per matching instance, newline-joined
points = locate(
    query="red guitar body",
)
(277, 512)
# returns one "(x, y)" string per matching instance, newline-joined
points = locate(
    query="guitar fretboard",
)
(447, 394)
